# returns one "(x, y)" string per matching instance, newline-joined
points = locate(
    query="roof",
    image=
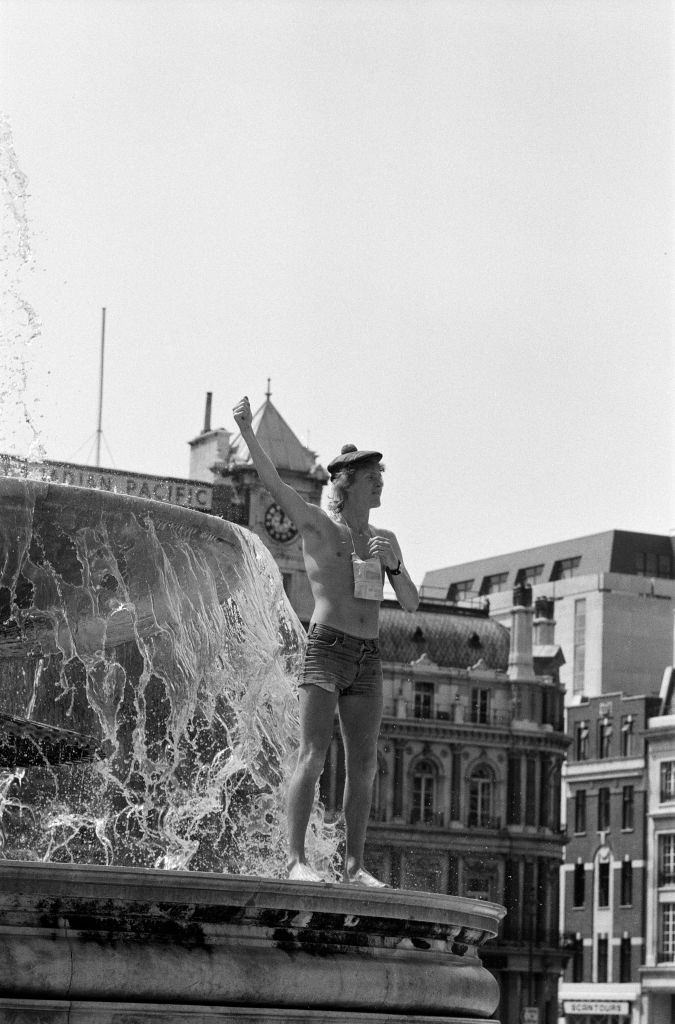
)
(611, 551)
(448, 638)
(278, 440)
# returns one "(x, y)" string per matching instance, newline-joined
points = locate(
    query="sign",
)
(598, 1007)
(530, 1015)
(190, 493)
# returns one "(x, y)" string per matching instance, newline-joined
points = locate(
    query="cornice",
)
(470, 732)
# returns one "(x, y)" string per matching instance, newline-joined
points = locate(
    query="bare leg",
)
(360, 721)
(317, 718)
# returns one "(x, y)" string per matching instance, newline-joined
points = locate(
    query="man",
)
(346, 560)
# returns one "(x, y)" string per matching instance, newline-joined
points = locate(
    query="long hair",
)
(342, 481)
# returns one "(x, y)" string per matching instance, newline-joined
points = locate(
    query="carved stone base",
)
(110, 945)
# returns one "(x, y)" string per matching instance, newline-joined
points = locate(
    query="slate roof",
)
(451, 639)
(611, 551)
(283, 447)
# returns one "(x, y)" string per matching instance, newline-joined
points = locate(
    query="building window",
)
(627, 736)
(423, 702)
(424, 785)
(603, 883)
(579, 664)
(480, 706)
(579, 885)
(604, 737)
(649, 563)
(566, 568)
(479, 886)
(578, 960)
(603, 808)
(667, 859)
(627, 807)
(625, 965)
(530, 574)
(530, 791)
(494, 584)
(580, 810)
(513, 791)
(626, 883)
(667, 781)
(667, 934)
(581, 741)
(460, 591)
(481, 788)
(603, 947)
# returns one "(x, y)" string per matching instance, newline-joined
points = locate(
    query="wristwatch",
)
(396, 571)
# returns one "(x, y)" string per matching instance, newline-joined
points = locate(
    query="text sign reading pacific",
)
(191, 493)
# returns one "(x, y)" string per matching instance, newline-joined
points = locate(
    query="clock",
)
(278, 525)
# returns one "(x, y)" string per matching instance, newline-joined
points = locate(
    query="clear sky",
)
(443, 229)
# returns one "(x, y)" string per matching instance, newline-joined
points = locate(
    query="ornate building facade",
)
(467, 798)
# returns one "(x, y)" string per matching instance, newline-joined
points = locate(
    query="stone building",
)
(605, 882)
(467, 799)
(238, 494)
(658, 973)
(613, 595)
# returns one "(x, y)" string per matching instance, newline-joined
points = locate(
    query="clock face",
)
(278, 525)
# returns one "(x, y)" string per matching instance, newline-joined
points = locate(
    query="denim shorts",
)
(338, 662)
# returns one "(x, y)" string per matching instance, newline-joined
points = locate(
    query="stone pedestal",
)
(82, 943)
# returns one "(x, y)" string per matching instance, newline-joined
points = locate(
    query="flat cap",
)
(350, 455)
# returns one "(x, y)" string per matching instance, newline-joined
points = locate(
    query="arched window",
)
(378, 806)
(481, 797)
(423, 792)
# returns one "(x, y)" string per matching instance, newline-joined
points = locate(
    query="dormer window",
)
(566, 568)
(530, 574)
(460, 591)
(494, 584)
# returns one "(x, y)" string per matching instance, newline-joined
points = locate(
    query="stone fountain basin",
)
(160, 945)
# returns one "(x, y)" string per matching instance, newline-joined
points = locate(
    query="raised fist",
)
(242, 414)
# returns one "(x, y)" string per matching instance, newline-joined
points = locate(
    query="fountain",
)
(152, 876)
(148, 719)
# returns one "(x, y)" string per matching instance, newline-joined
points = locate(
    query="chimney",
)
(544, 623)
(207, 413)
(521, 665)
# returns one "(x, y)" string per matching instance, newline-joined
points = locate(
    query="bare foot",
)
(300, 872)
(365, 879)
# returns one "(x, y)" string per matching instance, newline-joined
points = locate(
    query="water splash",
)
(168, 636)
(19, 323)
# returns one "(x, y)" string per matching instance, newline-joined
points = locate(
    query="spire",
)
(268, 393)
(276, 437)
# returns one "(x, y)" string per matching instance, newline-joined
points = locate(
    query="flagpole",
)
(99, 431)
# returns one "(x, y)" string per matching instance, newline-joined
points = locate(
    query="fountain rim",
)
(167, 886)
(97, 500)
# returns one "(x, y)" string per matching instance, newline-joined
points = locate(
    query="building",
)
(613, 595)
(238, 494)
(604, 881)
(658, 973)
(467, 799)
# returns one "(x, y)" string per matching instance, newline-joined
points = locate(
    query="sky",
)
(444, 230)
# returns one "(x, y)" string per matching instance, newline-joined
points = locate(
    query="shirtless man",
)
(346, 560)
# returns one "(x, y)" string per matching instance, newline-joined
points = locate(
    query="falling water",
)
(162, 633)
(19, 323)
(167, 635)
